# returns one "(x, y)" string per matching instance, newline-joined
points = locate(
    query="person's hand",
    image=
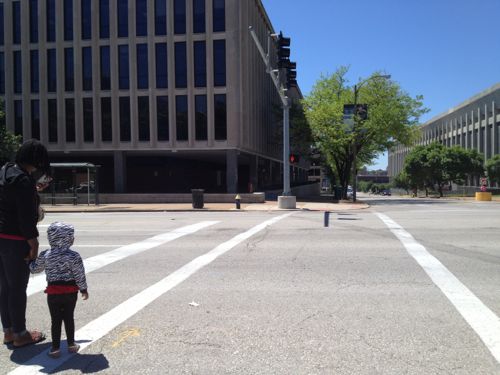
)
(33, 253)
(41, 187)
(85, 296)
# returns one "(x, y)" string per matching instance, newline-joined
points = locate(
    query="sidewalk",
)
(209, 207)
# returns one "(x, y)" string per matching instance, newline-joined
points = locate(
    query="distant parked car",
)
(386, 192)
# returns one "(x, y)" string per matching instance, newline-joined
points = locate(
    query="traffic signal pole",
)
(288, 201)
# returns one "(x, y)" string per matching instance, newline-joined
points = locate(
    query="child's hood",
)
(60, 235)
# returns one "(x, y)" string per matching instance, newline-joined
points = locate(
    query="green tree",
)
(493, 168)
(435, 165)
(402, 181)
(392, 118)
(9, 143)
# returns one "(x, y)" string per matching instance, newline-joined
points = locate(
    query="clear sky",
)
(445, 50)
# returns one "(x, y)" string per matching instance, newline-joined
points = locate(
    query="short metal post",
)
(237, 200)
(327, 218)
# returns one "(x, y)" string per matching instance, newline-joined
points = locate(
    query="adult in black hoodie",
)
(19, 238)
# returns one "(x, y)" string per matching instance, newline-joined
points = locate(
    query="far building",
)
(164, 95)
(473, 124)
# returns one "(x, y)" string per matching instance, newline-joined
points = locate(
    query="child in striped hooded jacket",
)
(65, 277)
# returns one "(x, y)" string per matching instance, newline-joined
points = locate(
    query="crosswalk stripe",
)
(99, 327)
(38, 283)
(482, 320)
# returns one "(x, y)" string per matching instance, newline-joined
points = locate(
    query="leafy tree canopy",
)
(392, 118)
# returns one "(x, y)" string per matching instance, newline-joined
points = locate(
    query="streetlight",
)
(357, 87)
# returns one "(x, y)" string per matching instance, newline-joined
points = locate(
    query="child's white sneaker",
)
(73, 348)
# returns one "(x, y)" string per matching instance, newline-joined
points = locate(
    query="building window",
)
(181, 116)
(123, 73)
(86, 20)
(33, 21)
(122, 18)
(219, 13)
(106, 123)
(200, 64)
(34, 75)
(143, 108)
(52, 112)
(88, 120)
(220, 117)
(51, 70)
(201, 117)
(142, 66)
(87, 68)
(162, 118)
(161, 17)
(68, 19)
(141, 17)
(69, 70)
(2, 33)
(219, 63)
(16, 22)
(18, 73)
(180, 16)
(18, 117)
(180, 65)
(51, 20)
(104, 19)
(70, 120)
(198, 16)
(35, 119)
(2, 73)
(124, 119)
(161, 66)
(105, 69)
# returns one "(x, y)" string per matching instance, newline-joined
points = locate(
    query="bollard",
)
(237, 201)
(327, 218)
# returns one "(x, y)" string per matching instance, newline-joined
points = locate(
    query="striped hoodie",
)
(63, 267)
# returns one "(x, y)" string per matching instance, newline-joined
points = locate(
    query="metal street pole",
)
(355, 140)
(285, 102)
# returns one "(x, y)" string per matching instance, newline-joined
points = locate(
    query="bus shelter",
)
(72, 180)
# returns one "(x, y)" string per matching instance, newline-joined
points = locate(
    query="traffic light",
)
(361, 111)
(294, 158)
(282, 50)
(291, 75)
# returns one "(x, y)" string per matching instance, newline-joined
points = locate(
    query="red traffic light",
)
(294, 158)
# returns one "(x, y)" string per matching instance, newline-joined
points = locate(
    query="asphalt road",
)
(231, 295)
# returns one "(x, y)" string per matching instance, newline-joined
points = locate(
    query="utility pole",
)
(286, 200)
(356, 117)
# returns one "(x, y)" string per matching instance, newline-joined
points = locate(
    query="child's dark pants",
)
(61, 308)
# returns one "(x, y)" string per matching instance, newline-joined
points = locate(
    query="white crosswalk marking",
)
(38, 283)
(96, 329)
(482, 320)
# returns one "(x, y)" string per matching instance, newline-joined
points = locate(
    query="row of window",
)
(142, 73)
(125, 120)
(122, 7)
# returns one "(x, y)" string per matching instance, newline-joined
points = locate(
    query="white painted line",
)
(99, 327)
(482, 320)
(38, 283)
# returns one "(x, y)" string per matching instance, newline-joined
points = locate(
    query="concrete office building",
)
(473, 124)
(165, 95)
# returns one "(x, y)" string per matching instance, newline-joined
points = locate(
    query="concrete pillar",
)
(254, 173)
(479, 148)
(120, 171)
(232, 171)
(494, 130)
(486, 140)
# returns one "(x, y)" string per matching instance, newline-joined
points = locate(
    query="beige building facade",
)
(165, 95)
(473, 124)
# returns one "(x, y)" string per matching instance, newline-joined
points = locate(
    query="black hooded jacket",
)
(18, 202)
